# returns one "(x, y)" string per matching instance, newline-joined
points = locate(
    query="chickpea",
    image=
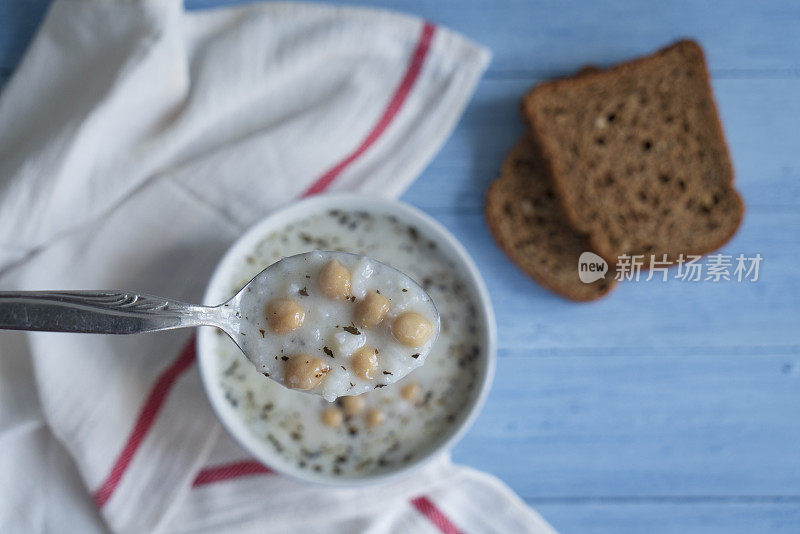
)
(371, 310)
(352, 405)
(284, 315)
(334, 280)
(304, 371)
(332, 417)
(410, 392)
(374, 417)
(365, 362)
(412, 329)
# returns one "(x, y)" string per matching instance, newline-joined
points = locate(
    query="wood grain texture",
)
(641, 423)
(666, 407)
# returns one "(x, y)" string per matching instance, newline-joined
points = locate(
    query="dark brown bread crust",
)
(637, 156)
(529, 225)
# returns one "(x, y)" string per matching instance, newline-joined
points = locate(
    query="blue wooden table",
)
(665, 407)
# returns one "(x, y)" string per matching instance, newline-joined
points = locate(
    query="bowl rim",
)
(295, 211)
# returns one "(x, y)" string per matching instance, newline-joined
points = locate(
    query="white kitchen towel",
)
(137, 141)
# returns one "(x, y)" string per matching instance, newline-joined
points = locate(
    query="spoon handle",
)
(99, 312)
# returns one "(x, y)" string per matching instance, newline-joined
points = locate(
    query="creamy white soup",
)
(387, 427)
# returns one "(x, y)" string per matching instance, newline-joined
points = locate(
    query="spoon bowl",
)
(330, 331)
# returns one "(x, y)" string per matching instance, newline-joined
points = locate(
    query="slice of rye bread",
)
(637, 156)
(529, 225)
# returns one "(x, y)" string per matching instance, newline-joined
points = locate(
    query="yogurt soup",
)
(335, 323)
(386, 427)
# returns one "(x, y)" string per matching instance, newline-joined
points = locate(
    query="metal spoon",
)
(126, 312)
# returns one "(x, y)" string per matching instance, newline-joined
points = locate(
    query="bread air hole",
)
(524, 166)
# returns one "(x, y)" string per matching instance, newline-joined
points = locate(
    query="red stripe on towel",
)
(145, 420)
(218, 473)
(395, 103)
(426, 507)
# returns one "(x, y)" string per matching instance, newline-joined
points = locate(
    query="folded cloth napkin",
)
(137, 141)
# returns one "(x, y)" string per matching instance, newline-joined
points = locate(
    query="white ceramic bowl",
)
(218, 290)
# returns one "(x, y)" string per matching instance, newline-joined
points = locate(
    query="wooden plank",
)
(650, 424)
(760, 119)
(735, 517)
